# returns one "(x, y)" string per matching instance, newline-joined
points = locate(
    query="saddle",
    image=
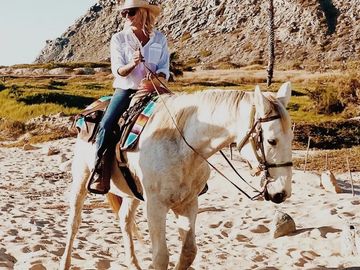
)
(130, 126)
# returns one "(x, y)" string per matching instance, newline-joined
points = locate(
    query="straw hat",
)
(155, 9)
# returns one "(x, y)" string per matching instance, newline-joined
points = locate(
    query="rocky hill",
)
(232, 31)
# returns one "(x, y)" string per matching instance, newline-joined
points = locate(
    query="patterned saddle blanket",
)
(131, 123)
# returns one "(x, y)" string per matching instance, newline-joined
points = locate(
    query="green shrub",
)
(2, 86)
(54, 85)
(15, 92)
(93, 86)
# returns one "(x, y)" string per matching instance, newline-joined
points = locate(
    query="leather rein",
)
(254, 136)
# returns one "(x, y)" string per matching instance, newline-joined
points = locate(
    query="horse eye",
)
(272, 141)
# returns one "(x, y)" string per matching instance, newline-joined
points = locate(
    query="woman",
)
(137, 47)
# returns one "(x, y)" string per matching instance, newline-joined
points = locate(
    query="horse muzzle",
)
(276, 198)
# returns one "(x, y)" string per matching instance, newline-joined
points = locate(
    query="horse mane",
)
(279, 108)
(184, 105)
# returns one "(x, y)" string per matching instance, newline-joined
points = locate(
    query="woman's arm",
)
(126, 70)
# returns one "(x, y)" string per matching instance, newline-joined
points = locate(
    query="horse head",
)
(269, 141)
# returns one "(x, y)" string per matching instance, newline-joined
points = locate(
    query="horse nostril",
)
(278, 198)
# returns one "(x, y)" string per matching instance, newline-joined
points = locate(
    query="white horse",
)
(170, 174)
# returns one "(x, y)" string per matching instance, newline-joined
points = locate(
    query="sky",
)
(25, 25)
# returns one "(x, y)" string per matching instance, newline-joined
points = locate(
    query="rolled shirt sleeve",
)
(117, 54)
(164, 63)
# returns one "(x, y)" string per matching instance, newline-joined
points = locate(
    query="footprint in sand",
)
(242, 238)
(228, 224)
(301, 262)
(260, 229)
(225, 234)
(348, 214)
(13, 232)
(260, 258)
(103, 264)
(215, 225)
(309, 255)
(355, 202)
(37, 266)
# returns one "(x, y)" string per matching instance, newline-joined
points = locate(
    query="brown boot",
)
(96, 183)
(204, 190)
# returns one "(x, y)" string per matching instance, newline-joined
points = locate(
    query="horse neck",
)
(216, 121)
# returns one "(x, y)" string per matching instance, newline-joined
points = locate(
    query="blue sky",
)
(25, 25)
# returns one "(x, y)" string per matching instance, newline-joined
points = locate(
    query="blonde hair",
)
(148, 20)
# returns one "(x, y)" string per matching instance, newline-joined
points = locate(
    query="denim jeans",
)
(105, 137)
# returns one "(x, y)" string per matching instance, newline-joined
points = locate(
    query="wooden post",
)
(351, 179)
(271, 43)
(307, 153)
(230, 151)
(326, 161)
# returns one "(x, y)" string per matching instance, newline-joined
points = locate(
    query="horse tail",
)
(115, 203)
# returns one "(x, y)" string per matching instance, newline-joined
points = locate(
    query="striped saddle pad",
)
(133, 135)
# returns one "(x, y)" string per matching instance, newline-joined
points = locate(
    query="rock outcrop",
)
(233, 31)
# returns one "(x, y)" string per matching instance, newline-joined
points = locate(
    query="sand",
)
(232, 232)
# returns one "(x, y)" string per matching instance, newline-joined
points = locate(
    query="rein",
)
(243, 142)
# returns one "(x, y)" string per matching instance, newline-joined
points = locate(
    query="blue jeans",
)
(105, 137)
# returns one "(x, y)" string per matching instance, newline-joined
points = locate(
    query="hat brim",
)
(152, 8)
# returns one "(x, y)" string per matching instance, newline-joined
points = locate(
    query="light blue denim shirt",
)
(155, 52)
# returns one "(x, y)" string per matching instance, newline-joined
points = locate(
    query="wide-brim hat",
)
(153, 8)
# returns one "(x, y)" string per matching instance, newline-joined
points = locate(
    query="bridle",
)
(256, 139)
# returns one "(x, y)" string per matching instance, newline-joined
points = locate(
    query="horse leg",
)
(156, 215)
(186, 217)
(77, 197)
(127, 224)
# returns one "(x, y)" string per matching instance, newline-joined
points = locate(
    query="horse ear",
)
(284, 93)
(262, 105)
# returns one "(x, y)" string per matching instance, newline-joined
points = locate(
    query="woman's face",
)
(133, 17)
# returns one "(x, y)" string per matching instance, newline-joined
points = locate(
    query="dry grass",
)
(31, 97)
(337, 160)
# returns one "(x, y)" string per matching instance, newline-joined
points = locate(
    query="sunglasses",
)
(131, 12)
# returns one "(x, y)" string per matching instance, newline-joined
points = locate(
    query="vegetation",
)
(320, 106)
(337, 160)
(72, 65)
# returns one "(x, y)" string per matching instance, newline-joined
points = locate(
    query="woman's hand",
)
(137, 57)
(150, 83)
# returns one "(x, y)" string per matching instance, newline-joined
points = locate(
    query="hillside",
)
(227, 31)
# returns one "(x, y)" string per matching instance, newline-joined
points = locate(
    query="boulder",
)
(329, 182)
(52, 151)
(29, 147)
(282, 225)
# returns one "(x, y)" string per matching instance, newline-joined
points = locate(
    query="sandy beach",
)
(232, 232)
